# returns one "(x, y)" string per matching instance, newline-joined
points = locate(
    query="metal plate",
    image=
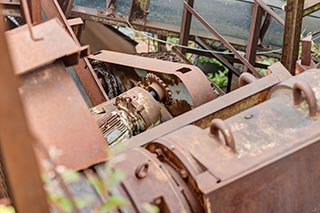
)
(55, 43)
(60, 119)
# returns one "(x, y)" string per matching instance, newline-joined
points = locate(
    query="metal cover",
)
(54, 43)
(60, 119)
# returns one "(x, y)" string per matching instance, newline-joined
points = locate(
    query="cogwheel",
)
(156, 83)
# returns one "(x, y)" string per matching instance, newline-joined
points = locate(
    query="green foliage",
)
(151, 208)
(315, 51)
(61, 202)
(6, 209)
(266, 61)
(220, 78)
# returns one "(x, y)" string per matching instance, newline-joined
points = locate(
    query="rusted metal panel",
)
(84, 70)
(52, 34)
(17, 154)
(95, 35)
(292, 33)
(60, 119)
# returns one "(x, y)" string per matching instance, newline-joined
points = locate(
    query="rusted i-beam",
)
(311, 6)
(35, 10)
(292, 33)
(17, 154)
(185, 26)
(254, 35)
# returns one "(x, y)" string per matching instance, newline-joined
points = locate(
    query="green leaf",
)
(6, 209)
(114, 202)
(70, 176)
(115, 177)
(150, 208)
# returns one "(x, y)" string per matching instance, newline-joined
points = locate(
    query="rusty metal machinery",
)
(260, 160)
(157, 91)
(127, 115)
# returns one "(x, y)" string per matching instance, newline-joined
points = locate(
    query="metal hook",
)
(303, 91)
(245, 79)
(219, 125)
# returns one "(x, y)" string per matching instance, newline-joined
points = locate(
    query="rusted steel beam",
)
(270, 11)
(254, 34)
(265, 26)
(83, 70)
(222, 40)
(185, 26)
(17, 154)
(76, 24)
(311, 6)
(181, 55)
(306, 51)
(292, 33)
(35, 10)
(306, 62)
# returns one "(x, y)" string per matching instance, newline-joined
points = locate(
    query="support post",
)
(292, 33)
(16, 146)
(35, 10)
(185, 26)
(254, 35)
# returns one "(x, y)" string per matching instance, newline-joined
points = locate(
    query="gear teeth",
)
(151, 78)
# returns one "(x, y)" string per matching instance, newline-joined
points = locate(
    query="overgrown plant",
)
(218, 77)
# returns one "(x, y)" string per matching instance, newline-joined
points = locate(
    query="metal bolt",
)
(248, 116)
(183, 173)
(142, 170)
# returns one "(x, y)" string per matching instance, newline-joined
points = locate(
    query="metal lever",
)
(28, 20)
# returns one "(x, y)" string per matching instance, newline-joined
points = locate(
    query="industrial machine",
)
(155, 92)
(254, 149)
(250, 162)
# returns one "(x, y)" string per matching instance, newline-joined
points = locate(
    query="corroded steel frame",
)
(17, 154)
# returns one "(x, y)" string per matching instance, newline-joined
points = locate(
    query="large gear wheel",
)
(157, 84)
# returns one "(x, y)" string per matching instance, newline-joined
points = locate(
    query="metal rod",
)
(28, 20)
(311, 6)
(35, 8)
(292, 33)
(271, 12)
(222, 40)
(254, 34)
(185, 26)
